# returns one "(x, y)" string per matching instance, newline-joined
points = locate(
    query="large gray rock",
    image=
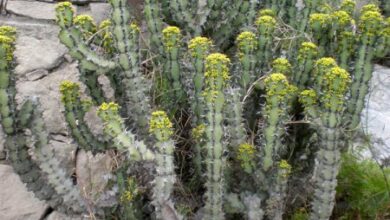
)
(376, 115)
(16, 203)
(33, 54)
(32, 9)
(47, 90)
(99, 11)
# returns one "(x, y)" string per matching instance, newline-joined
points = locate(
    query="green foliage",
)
(364, 187)
(230, 106)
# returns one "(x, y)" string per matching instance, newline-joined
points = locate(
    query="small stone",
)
(33, 54)
(32, 9)
(37, 74)
(100, 11)
(16, 202)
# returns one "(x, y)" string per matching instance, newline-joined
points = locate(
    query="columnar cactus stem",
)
(161, 128)
(216, 76)
(302, 18)
(56, 175)
(123, 140)
(153, 20)
(183, 13)
(328, 108)
(75, 110)
(247, 46)
(266, 26)
(275, 205)
(134, 83)
(24, 166)
(199, 48)
(322, 66)
(172, 45)
(370, 25)
(279, 94)
(235, 120)
(71, 37)
(7, 83)
(383, 44)
(246, 156)
(283, 66)
(88, 28)
(320, 25)
(307, 55)
(348, 6)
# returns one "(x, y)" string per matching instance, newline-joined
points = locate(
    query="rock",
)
(32, 28)
(100, 11)
(32, 9)
(32, 54)
(2, 152)
(16, 203)
(93, 174)
(47, 90)
(37, 74)
(60, 216)
(376, 115)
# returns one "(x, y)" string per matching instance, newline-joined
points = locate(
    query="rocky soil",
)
(42, 63)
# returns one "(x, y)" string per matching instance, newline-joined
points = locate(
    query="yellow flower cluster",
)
(337, 80)
(325, 63)
(371, 23)
(134, 27)
(370, 7)
(320, 20)
(281, 65)
(113, 107)
(7, 45)
(82, 20)
(348, 6)
(62, 6)
(171, 37)
(64, 13)
(246, 42)
(198, 131)
(69, 90)
(307, 49)
(277, 85)
(308, 98)
(8, 31)
(160, 123)
(217, 65)
(266, 22)
(284, 165)
(342, 18)
(267, 12)
(199, 46)
(246, 155)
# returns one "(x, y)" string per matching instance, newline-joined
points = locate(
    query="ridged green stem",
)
(123, 140)
(161, 128)
(328, 107)
(216, 75)
(7, 82)
(75, 110)
(275, 205)
(56, 175)
(133, 82)
(279, 94)
(247, 46)
(307, 55)
(71, 37)
(265, 31)
(172, 45)
(153, 18)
